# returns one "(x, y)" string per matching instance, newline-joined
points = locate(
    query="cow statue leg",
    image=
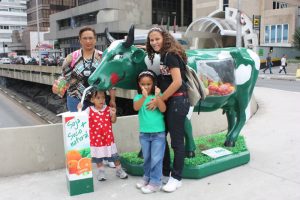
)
(190, 146)
(231, 117)
(234, 133)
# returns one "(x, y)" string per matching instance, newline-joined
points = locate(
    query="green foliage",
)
(85, 153)
(132, 158)
(202, 143)
(296, 40)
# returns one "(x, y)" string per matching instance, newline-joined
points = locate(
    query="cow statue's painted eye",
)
(117, 57)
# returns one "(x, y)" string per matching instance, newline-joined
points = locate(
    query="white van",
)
(5, 61)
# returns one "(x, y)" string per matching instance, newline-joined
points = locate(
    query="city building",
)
(274, 22)
(31, 40)
(12, 17)
(117, 16)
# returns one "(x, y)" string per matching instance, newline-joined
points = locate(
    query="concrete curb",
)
(278, 77)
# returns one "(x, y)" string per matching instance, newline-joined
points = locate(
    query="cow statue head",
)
(121, 63)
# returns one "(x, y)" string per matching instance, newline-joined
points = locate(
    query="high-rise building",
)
(117, 16)
(29, 37)
(45, 9)
(12, 17)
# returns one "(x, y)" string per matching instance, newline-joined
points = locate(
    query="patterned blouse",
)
(78, 74)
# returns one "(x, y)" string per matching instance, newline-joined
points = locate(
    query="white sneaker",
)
(150, 189)
(101, 175)
(141, 183)
(109, 164)
(121, 174)
(172, 185)
(165, 179)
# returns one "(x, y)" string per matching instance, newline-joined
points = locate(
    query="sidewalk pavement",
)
(291, 73)
(273, 140)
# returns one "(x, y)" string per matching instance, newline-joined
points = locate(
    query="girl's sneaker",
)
(150, 189)
(141, 183)
(121, 173)
(172, 185)
(109, 164)
(101, 175)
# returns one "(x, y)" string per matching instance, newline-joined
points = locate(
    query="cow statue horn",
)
(108, 35)
(130, 37)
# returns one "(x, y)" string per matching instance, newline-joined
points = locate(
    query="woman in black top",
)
(171, 82)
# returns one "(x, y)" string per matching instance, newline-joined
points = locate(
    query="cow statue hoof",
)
(229, 143)
(189, 154)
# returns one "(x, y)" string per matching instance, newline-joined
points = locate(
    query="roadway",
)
(14, 114)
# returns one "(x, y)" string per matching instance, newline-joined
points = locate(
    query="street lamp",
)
(38, 31)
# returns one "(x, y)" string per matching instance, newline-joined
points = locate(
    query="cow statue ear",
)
(138, 56)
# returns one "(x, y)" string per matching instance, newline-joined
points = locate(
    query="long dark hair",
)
(148, 73)
(169, 45)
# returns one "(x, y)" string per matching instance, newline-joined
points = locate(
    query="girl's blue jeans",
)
(153, 148)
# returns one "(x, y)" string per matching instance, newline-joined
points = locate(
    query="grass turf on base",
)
(201, 165)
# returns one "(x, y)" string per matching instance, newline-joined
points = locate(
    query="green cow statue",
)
(229, 75)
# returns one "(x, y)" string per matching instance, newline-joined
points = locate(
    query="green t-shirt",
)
(151, 121)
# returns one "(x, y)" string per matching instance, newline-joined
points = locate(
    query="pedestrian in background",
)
(269, 63)
(283, 64)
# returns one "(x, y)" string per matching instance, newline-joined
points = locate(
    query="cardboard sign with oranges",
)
(78, 155)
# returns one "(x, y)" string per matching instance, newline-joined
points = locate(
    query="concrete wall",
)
(40, 148)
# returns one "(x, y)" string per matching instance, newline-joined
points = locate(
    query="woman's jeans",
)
(72, 103)
(153, 146)
(177, 109)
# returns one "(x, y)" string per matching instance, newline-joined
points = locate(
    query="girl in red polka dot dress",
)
(102, 142)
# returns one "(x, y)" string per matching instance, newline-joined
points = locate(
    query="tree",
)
(296, 40)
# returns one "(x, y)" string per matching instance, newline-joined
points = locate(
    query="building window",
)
(279, 33)
(279, 5)
(276, 33)
(164, 11)
(225, 4)
(273, 33)
(267, 34)
(285, 32)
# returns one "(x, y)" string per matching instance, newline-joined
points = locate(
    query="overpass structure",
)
(43, 75)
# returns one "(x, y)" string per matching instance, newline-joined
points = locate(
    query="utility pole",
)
(182, 13)
(38, 31)
(3, 49)
(238, 26)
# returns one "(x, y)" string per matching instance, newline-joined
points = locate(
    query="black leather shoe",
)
(190, 154)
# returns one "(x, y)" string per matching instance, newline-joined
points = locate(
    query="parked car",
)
(50, 61)
(33, 61)
(5, 61)
(23, 59)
